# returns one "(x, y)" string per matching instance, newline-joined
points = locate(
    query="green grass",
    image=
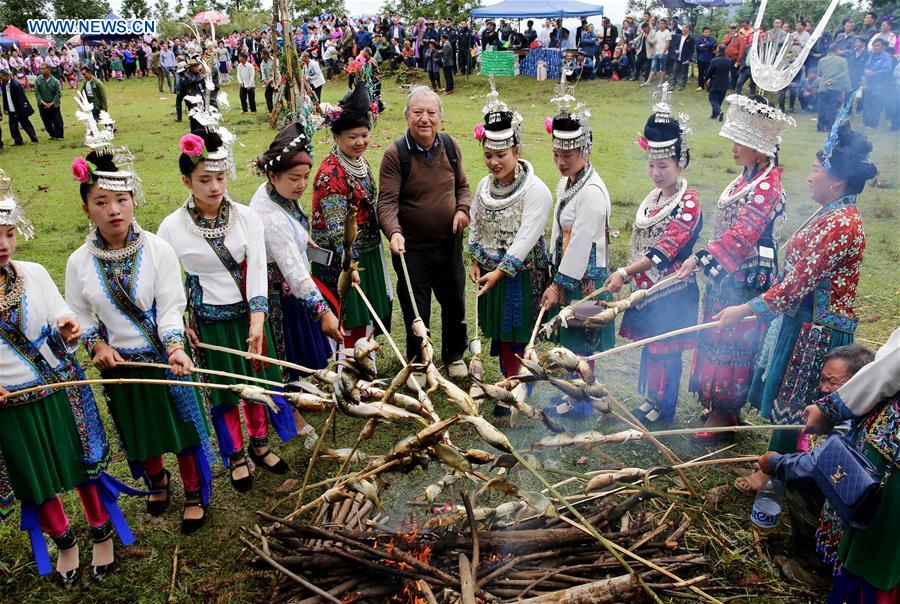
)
(213, 568)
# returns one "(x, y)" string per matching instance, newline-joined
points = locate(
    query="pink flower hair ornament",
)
(478, 131)
(193, 146)
(548, 124)
(83, 170)
(642, 142)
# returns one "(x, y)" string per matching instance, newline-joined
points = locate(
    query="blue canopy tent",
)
(539, 9)
(4, 41)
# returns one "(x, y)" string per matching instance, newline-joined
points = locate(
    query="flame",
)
(421, 551)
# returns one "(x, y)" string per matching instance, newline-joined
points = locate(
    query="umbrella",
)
(212, 18)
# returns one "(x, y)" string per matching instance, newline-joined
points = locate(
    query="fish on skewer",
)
(397, 383)
(304, 386)
(478, 456)
(456, 395)
(534, 367)
(343, 455)
(605, 479)
(562, 357)
(423, 438)
(254, 394)
(419, 329)
(377, 411)
(434, 489)
(348, 265)
(303, 401)
(496, 393)
(490, 434)
(591, 437)
(367, 490)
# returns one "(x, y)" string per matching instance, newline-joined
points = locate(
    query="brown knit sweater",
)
(423, 212)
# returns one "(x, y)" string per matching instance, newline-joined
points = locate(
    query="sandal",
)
(156, 508)
(648, 414)
(280, 467)
(192, 525)
(66, 541)
(716, 437)
(238, 460)
(102, 534)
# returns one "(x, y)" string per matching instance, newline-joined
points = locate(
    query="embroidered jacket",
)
(580, 231)
(151, 280)
(744, 231)
(525, 229)
(40, 307)
(213, 290)
(287, 238)
(675, 242)
(333, 190)
(823, 258)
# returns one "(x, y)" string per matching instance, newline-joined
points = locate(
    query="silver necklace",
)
(11, 298)
(356, 167)
(726, 198)
(564, 195)
(201, 231)
(115, 255)
(500, 190)
(656, 207)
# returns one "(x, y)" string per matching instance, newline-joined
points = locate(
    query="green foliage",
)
(245, 19)
(314, 8)
(796, 10)
(413, 9)
(18, 12)
(162, 11)
(135, 9)
(80, 9)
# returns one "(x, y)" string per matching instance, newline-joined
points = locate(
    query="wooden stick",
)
(377, 320)
(473, 528)
(587, 526)
(670, 334)
(269, 560)
(643, 560)
(172, 597)
(534, 331)
(71, 383)
(409, 288)
(749, 428)
(666, 451)
(255, 357)
(236, 376)
(466, 581)
(315, 455)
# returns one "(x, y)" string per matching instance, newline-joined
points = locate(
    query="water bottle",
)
(768, 504)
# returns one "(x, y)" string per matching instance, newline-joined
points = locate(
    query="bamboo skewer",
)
(72, 383)
(255, 357)
(534, 331)
(202, 370)
(378, 321)
(315, 455)
(409, 288)
(670, 334)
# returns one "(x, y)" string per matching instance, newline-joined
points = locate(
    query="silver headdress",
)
(754, 124)
(10, 212)
(772, 67)
(222, 159)
(502, 126)
(571, 126)
(98, 136)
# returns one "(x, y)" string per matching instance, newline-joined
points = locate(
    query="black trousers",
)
(248, 96)
(829, 102)
(715, 100)
(464, 60)
(701, 73)
(269, 93)
(14, 122)
(318, 91)
(439, 270)
(680, 74)
(53, 121)
(448, 79)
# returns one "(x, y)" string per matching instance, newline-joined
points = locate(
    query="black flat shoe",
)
(241, 485)
(192, 525)
(280, 467)
(102, 534)
(67, 540)
(156, 508)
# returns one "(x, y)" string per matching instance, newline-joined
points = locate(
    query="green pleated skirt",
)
(233, 334)
(41, 447)
(146, 417)
(372, 281)
(873, 553)
(506, 311)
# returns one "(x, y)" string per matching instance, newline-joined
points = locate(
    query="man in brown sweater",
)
(423, 208)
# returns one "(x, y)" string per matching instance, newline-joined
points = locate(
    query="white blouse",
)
(583, 222)
(286, 244)
(157, 282)
(41, 306)
(245, 241)
(535, 212)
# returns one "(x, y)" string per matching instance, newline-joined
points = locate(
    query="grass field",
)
(212, 567)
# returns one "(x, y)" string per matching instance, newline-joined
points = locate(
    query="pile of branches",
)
(351, 552)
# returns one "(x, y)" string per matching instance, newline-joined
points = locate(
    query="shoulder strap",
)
(405, 162)
(450, 150)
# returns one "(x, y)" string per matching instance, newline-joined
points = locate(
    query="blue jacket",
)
(589, 44)
(363, 39)
(705, 47)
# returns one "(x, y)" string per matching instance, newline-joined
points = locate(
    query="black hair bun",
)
(103, 161)
(661, 132)
(211, 140)
(850, 159)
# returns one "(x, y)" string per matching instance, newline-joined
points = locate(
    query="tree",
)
(135, 9)
(413, 9)
(80, 9)
(162, 11)
(18, 12)
(314, 8)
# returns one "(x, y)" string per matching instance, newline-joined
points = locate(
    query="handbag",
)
(849, 481)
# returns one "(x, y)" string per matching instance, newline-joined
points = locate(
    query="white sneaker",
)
(458, 370)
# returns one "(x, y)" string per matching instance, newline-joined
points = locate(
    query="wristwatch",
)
(623, 273)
